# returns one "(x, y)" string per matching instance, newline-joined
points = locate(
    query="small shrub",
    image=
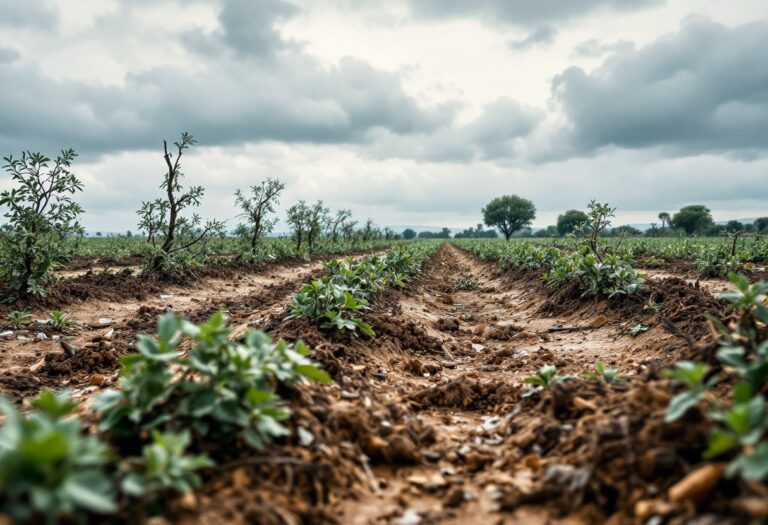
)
(49, 468)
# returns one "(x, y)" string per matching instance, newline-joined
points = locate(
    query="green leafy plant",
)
(334, 304)
(49, 468)
(18, 319)
(604, 374)
(652, 306)
(41, 221)
(638, 329)
(222, 391)
(545, 378)
(465, 283)
(694, 377)
(738, 429)
(164, 467)
(60, 321)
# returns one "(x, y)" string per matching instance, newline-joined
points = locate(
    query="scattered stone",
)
(106, 321)
(409, 517)
(6, 335)
(97, 380)
(40, 336)
(477, 347)
(23, 338)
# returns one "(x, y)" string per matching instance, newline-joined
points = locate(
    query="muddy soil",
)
(110, 310)
(427, 422)
(435, 402)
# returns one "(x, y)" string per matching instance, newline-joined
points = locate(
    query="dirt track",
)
(482, 344)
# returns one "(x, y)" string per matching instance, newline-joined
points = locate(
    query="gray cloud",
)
(522, 12)
(8, 54)
(37, 13)
(539, 36)
(702, 89)
(495, 134)
(225, 104)
(247, 28)
(595, 48)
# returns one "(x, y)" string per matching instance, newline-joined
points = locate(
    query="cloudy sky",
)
(406, 111)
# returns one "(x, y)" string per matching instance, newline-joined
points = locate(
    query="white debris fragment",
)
(306, 437)
(409, 517)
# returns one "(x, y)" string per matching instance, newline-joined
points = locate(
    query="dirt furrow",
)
(39, 357)
(484, 340)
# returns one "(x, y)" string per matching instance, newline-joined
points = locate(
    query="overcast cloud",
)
(411, 112)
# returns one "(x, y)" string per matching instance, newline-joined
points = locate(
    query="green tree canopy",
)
(695, 218)
(509, 214)
(409, 234)
(568, 221)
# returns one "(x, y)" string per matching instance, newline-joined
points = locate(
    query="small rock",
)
(23, 338)
(55, 337)
(97, 380)
(477, 347)
(599, 322)
(40, 336)
(106, 321)
(6, 335)
(409, 517)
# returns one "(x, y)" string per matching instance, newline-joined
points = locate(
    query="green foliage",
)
(176, 243)
(604, 374)
(49, 469)
(694, 377)
(570, 220)
(738, 429)
(333, 304)
(60, 321)
(695, 218)
(465, 283)
(41, 221)
(545, 378)
(256, 209)
(509, 214)
(307, 223)
(336, 300)
(18, 319)
(222, 391)
(164, 467)
(638, 329)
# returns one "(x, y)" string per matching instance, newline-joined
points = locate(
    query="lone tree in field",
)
(570, 220)
(761, 225)
(664, 217)
(177, 241)
(256, 208)
(695, 218)
(509, 214)
(41, 219)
